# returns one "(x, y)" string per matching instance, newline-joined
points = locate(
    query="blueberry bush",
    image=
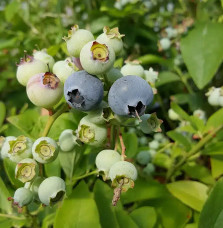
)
(111, 113)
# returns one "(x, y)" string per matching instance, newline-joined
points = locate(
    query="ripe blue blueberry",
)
(83, 91)
(129, 96)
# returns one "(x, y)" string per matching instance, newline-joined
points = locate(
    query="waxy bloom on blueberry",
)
(45, 150)
(129, 96)
(6, 146)
(44, 90)
(67, 140)
(83, 91)
(76, 39)
(105, 159)
(22, 197)
(63, 69)
(113, 38)
(133, 68)
(26, 170)
(90, 133)
(28, 67)
(44, 57)
(51, 190)
(20, 148)
(97, 58)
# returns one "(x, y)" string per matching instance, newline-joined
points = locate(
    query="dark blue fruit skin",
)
(90, 91)
(128, 91)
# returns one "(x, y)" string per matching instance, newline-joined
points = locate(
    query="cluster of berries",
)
(85, 79)
(215, 96)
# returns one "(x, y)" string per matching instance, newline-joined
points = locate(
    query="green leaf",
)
(202, 51)
(212, 213)
(9, 167)
(144, 191)
(215, 148)
(78, 211)
(11, 9)
(53, 168)
(5, 205)
(214, 121)
(180, 138)
(191, 193)
(2, 113)
(217, 165)
(48, 221)
(144, 217)
(131, 144)
(162, 160)
(166, 77)
(5, 222)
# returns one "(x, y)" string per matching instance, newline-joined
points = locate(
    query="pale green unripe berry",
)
(44, 90)
(34, 187)
(67, 140)
(22, 197)
(20, 148)
(90, 133)
(143, 140)
(6, 146)
(123, 169)
(149, 169)
(132, 69)
(51, 190)
(63, 69)
(165, 43)
(97, 58)
(200, 114)
(29, 67)
(151, 76)
(171, 32)
(26, 170)
(76, 39)
(105, 159)
(45, 150)
(213, 96)
(113, 74)
(143, 157)
(159, 137)
(173, 115)
(44, 57)
(154, 145)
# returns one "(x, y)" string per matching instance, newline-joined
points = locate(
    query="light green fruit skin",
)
(173, 115)
(113, 74)
(45, 58)
(143, 157)
(49, 188)
(26, 70)
(149, 169)
(132, 69)
(115, 43)
(37, 157)
(201, 114)
(99, 130)
(28, 160)
(213, 99)
(152, 152)
(105, 159)
(92, 66)
(159, 137)
(67, 140)
(6, 147)
(143, 141)
(154, 145)
(43, 96)
(123, 169)
(26, 154)
(62, 70)
(23, 197)
(165, 43)
(34, 187)
(77, 41)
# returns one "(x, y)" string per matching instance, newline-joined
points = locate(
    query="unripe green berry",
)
(132, 68)
(123, 169)
(34, 187)
(113, 38)
(149, 169)
(143, 157)
(44, 90)
(200, 114)
(113, 74)
(67, 140)
(97, 58)
(173, 115)
(45, 150)
(105, 159)
(22, 197)
(154, 145)
(6, 146)
(51, 190)
(76, 39)
(90, 133)
(213, 96)
(143, 140)
(26, 170)
(165, 43)
(63, 69)
(151, 76)
(44, 57)
(20, 148)
(29, 67)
